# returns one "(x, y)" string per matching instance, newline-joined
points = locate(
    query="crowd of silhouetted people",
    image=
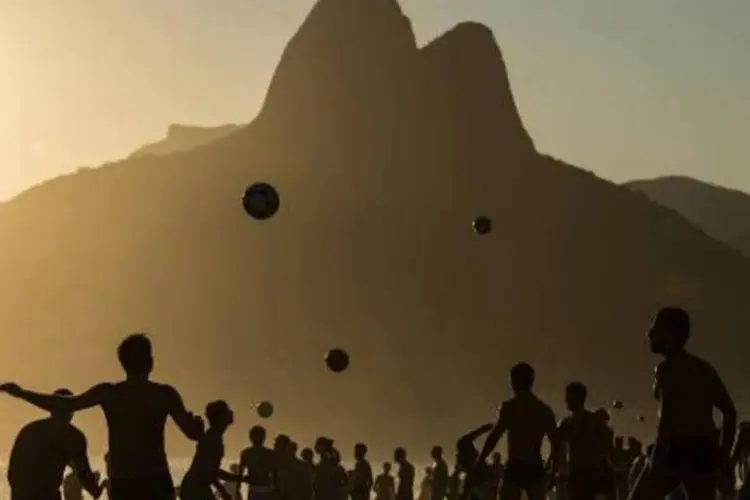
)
(690, 458)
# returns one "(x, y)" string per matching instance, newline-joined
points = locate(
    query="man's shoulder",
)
(566, 421)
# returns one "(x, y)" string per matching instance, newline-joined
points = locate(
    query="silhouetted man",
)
(440, 474)
(688, 390)
(583, 440)
(527, 420)
(361, 477)
(260, 465)
(136, 411)
(405, 488)
(205, 469)
(42, 451)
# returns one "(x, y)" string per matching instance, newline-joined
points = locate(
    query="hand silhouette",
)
(10, 388)
(200, 424)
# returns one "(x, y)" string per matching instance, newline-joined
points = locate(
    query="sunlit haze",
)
(626, 89)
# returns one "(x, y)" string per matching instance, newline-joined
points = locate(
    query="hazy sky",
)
(627, 89)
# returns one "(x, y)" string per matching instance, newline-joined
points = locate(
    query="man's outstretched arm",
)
(191, 425)
(59, 404)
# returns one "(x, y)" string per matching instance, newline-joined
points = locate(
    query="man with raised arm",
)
(136, 410)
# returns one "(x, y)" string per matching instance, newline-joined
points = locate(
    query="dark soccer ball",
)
(482, 225)
(337, 360)
(264, 409)
(261, 201)
(617, 404)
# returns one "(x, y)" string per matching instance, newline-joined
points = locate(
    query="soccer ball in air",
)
(337, 360)
(264, 409)
(482, 225)
(261, 201)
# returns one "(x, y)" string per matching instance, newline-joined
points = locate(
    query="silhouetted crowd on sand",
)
(690, 458)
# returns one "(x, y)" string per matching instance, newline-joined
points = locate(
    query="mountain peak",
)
(358, 61)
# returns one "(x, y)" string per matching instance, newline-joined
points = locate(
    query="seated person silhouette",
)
(42, 451)
(527, 420)
(205, 469)
(687, 451)
(136, 410)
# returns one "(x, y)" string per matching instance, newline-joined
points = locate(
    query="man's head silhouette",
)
(522, 378)
(63, 416)
(135, 355)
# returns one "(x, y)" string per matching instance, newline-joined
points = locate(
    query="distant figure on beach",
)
(455, 482)
(361, 477)
(205, 469)
(385, 484)
(42, 451)
(425, 486)
(687, 451)
(527, 421)
(440, 473)
(583, 443)
(258, 463)
(341, 479)
(72, 487)
(306, 471)
(405, 488)
(136, 410)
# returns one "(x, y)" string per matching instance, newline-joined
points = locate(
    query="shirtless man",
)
(136, 410)
(205, 470)
(527, 420)
(688, 390)
(42, 451)
(405, 489)
(361, 477)
(583, 443)
(306, 466)
(440, 474)
(259, 464)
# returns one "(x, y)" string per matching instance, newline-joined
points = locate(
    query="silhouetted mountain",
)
(184, 138)
(383, 155)
(722, 213)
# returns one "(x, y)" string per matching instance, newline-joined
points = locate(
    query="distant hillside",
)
(184, 138)
(722, 213)
(383, 153)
